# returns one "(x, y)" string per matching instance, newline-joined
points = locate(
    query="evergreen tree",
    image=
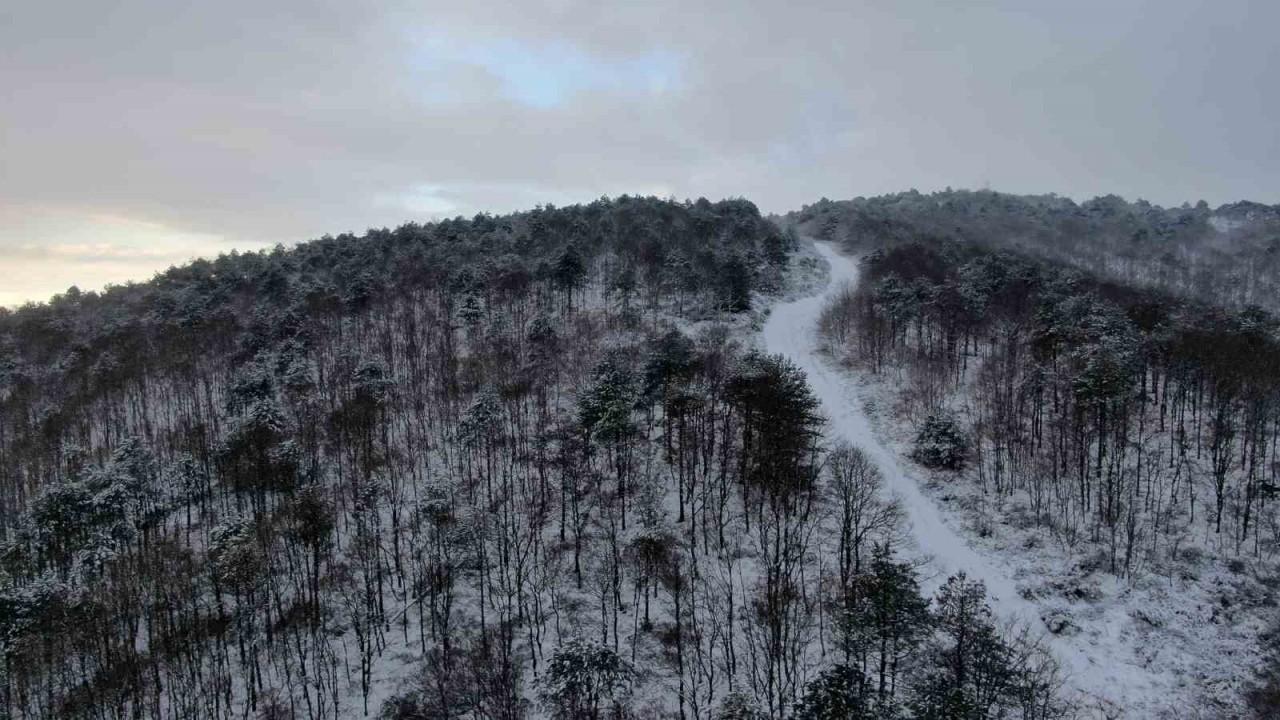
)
(838, 693)
(940, 443)
(585, 681)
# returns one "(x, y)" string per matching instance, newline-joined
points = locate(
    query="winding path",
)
(791, 331)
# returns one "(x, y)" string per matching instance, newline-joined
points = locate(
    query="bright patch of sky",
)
(423, 200)
(89, 249)
(549, 74)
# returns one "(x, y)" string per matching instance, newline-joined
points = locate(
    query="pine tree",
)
(838, 693)
(584, 681)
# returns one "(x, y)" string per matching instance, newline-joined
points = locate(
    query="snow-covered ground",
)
(1116, 669)
(1102, 665)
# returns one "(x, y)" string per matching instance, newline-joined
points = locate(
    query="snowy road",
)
(791, 331)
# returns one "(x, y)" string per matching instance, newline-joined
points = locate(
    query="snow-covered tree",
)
(940, 443)
(585, 681)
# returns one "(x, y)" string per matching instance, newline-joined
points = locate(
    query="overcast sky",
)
(134, 135)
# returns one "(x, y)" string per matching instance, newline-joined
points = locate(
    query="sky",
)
(137, 135)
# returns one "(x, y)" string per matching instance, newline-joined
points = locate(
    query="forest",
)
(1109, 406)
(1115, 413)
(1228, 256)
(537, 465)
(505, 467)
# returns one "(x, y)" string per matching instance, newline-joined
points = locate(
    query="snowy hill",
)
(634, 459)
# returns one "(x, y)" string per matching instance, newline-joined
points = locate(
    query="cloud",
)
(246, 124)
(92, 253)
(46, 249)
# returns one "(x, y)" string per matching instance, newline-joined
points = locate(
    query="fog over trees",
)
(1228, 256)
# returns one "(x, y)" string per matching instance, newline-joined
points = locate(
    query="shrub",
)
(941, 444)
(583, 679)
(737, 706)
(839, 693)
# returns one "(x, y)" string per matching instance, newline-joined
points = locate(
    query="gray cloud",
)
(258, 124)
(100, 253)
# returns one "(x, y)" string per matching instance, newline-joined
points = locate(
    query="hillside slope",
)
(1115, 660)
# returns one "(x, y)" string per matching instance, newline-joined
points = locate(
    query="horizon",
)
(269, 246)
(142, 135)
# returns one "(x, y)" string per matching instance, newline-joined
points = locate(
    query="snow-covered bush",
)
(583, 679)
(940, 443)
(739, 706)
(235, 555)
(839, 693)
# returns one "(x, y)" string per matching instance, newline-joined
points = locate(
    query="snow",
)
(1225, 225)
(1093, 662)
(1118, 652)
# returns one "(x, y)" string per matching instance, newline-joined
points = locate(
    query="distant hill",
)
(1228, 256)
